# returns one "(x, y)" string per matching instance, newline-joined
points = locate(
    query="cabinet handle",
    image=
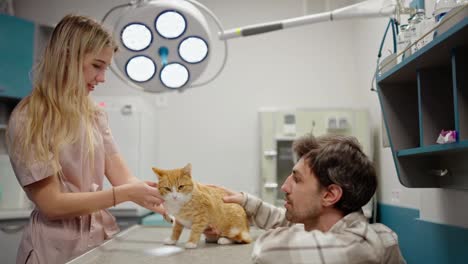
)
(269, 154)
(11, 229)
(270, 185)
(126, 110)
(439, 173)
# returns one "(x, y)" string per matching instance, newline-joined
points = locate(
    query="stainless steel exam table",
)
(144, 244)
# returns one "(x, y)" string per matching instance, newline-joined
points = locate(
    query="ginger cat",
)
(198, 206)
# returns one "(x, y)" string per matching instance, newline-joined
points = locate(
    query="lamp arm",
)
(365, 9)
(226, 49)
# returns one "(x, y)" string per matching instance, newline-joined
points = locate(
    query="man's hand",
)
(211, 234)
(231, 196)
(234, 197)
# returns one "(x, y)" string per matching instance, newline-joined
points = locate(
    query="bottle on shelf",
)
(415, 27)
(404, 40)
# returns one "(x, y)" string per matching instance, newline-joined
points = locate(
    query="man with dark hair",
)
(323, 221)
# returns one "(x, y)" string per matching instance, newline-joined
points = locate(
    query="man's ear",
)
(331, 195)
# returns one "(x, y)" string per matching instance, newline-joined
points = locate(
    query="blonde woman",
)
(61, 148)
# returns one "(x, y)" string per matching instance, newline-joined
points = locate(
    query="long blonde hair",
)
(59, 103)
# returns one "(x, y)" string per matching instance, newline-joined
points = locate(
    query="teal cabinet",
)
(16, 56)
(424, 94)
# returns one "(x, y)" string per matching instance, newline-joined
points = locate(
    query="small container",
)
(424, 29)
(404, 40)
(389, 62)
(415, 28)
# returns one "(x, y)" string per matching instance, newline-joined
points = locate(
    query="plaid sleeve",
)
(390, 243)
(263, 215)
(295, 245)
(354, 242)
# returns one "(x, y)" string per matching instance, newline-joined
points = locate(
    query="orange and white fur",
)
(197, 206)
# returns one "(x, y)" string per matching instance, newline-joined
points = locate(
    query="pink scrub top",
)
(57, 241)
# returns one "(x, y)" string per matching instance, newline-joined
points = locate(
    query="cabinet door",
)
(16, 56)
(11, 232)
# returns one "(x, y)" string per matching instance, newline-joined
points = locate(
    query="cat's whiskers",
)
(173, 205)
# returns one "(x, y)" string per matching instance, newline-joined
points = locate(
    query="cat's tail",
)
(243, 237)
(246, 237)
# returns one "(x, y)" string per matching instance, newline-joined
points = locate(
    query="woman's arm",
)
(56, 204)
(117, 171)
(118, 174)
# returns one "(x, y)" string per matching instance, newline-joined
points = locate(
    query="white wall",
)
(215, 127)
(369, 34)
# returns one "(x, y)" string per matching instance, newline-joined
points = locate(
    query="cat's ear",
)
(158, 172)
(188, 169)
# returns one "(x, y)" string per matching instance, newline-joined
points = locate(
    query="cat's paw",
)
(169, 241)
(224, 241)
(190, 245)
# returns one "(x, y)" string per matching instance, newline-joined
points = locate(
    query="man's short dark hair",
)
(340, 160)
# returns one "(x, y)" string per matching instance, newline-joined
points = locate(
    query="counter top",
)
(144, 244)
(8, 214)
(129, 210)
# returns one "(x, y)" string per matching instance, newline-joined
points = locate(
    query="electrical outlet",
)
(396, 195)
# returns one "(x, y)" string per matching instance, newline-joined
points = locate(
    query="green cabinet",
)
(419, 97)
(16, 56)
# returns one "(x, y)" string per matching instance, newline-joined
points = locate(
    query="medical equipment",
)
(166, 44)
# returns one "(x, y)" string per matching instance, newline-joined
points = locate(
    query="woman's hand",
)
(145, 194)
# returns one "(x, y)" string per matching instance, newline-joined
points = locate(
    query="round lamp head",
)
(164, 45)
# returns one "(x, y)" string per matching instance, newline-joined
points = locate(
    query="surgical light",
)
(136, 37)
(140, 68)
(193, 49)
(165, 44)
(170, 24)
(174, 75)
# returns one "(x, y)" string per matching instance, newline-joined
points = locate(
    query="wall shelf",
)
(424, 94)
(430, 56)
(434, 149)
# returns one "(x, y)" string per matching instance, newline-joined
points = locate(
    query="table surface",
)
(8, 214)
(138, 244)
